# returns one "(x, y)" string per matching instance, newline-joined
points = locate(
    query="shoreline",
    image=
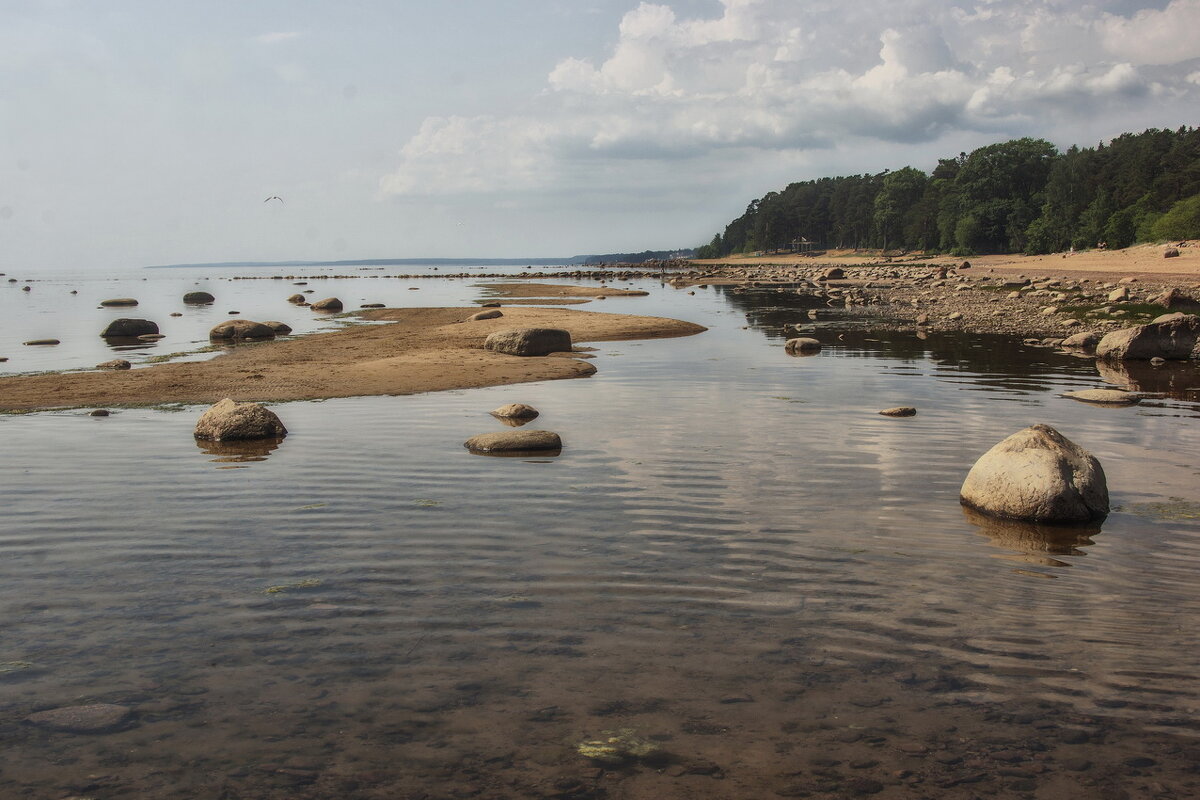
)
(421, 350)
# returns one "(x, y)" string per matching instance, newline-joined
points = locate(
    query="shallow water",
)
(734, 556)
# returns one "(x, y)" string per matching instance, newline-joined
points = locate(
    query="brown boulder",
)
(230, 421)
(328, 304)
(1177, 336)
(514, 442)
(529, 341)
(235, 330)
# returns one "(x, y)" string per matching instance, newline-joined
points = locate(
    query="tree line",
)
(1019, 196)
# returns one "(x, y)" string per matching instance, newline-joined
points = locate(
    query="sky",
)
(142, 132)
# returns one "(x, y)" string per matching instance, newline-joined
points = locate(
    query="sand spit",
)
(423, 350)
(522, 289)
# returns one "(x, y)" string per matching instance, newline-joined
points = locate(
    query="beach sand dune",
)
(422, 350)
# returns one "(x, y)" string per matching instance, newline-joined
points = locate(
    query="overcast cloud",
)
(142, 134)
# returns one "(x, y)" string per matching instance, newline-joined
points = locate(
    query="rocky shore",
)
(1043, 305)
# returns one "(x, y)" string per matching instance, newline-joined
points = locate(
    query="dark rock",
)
(899, 411)
(119, 301)
(280, 328)
(99, 412)
(38, 342)
(803, 344)
(298, 299)
(198, 298)
(492, 314)
(128, 328)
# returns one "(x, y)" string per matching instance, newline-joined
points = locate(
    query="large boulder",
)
(328, 304)
(229, 421)
(122, 328)
(235, 330)
(1174, 300)
(1175, 337)
(298, 299)
(514, 442)
(529, 341)
(280, 328)
(198, 298)
(1038, 475)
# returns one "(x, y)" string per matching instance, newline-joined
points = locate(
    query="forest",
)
(1019, 196)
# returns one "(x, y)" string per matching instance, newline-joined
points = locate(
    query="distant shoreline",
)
(382, 262)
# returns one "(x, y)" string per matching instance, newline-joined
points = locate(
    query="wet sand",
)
(523, 289)
(423, 350)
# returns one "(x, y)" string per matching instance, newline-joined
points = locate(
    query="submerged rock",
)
(39, 342)
(802, 344)
(1040, 475)
(1177, 336)
(198, 298)
(529, 341)
(116, 363)
(1086, 340)
(1106, 397)
(514, 441)
(121, 328)
(119, 301)
(237, 329)
(95, 718)
(230, 421)
(298, 299)
(618, 747)
(899, 411)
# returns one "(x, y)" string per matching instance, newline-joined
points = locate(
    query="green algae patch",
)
(618, 747)
(1173, 510)
(307, 583)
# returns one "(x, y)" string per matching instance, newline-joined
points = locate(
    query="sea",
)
(737, 579)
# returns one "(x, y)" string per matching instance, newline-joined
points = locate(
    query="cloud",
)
(277, 37)
(775, 76)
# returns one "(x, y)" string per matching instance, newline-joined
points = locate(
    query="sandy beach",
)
(422, 350)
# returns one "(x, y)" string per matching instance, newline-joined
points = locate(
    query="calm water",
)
(735, 559)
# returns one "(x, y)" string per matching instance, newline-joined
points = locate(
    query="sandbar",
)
(421, 350)
(548, 290)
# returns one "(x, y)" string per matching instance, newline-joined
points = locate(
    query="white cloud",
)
(782, 77)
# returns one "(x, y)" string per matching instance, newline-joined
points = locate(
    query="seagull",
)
(273, 197)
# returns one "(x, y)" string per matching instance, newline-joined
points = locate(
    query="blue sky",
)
(137, 133)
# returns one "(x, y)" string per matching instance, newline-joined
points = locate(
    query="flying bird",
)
(273, 197)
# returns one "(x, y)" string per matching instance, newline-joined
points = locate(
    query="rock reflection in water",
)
(538, 454)
(239, 452)
(1179, 380)
(1034, 542)
(515, 422)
